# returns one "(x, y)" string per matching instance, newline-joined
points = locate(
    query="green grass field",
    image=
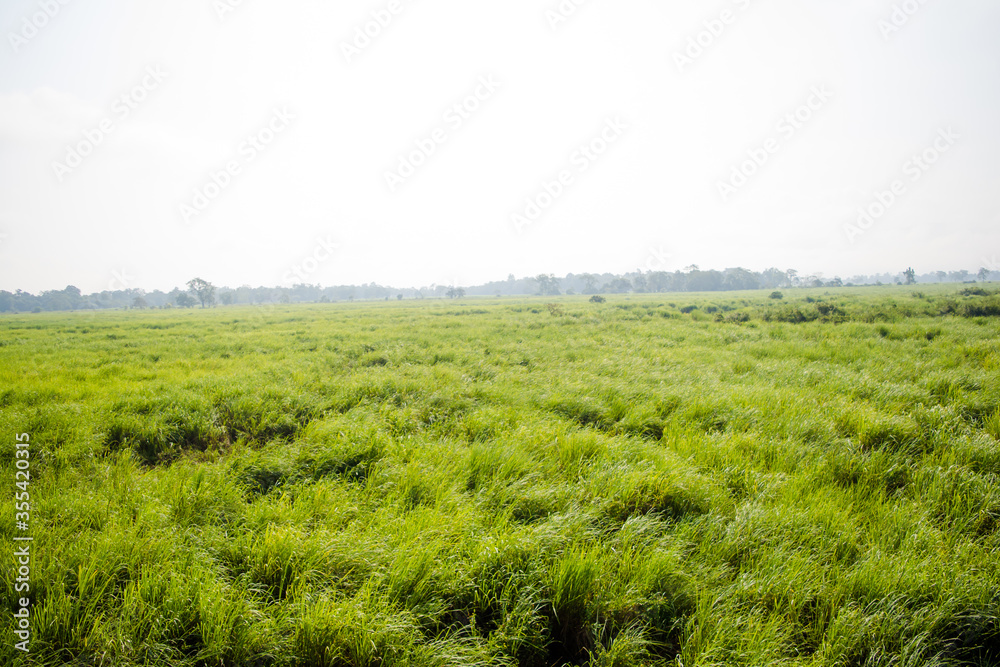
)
(753, 481)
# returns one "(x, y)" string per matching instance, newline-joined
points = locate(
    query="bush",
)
(597, 298)
(982, 308)
(831, 313)
(776, 295)
(789, 314)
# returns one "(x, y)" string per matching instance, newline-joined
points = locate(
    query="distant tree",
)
(399, 297)
(597, 298)
(185, 300)
(740, 279)
(836, 282)
(773, 277)
(704, 281)
(203, 290)
(156, 298)
(140, 303)
(910, 276)
(548, 284)
(589, 282)
(227, 297)
(941, 275)
(66, 299)
(75, 296)
(659, 281)
(983, 274)
(619, 286)
(455, 292)
(959, 276)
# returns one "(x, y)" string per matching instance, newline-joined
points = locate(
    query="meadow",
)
(659, 479)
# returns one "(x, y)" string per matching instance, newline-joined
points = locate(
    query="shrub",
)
(789, 313)
(982, 308)
(830, 312)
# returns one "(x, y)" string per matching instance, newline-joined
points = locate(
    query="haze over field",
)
(457, 143)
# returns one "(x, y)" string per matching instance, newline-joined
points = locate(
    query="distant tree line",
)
(692, 279)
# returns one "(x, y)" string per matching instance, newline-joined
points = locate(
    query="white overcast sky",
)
(650, 200)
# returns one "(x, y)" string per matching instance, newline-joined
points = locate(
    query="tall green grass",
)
(654, 480)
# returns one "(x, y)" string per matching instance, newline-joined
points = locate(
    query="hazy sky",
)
(410, 142)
